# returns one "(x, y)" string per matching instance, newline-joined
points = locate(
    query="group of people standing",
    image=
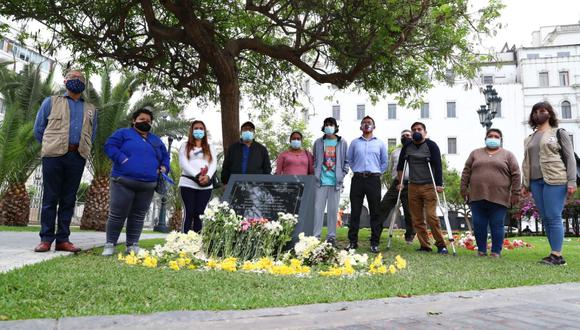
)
(490, 182)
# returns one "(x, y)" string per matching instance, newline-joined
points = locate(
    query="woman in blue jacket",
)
(138, 157)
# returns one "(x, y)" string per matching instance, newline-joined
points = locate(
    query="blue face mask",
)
(492, 143)
(329, 130)
(198, 134)
(417, 137)
(247, 136)
(296, 144)
(75, 85)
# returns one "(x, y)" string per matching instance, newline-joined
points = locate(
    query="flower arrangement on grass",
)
(226, 234)
(467, 240)
(308, 257)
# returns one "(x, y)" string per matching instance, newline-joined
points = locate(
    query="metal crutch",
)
(443, 209)
(395, 211)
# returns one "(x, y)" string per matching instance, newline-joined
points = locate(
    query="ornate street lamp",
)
(488, 111)
(161, 225)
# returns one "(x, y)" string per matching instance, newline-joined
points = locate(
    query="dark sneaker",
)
(374, 248)
(442, 250)
(352, 246)
(482, 254)
(332, 241)
(553, 260)
(424, 249)
(495, 255)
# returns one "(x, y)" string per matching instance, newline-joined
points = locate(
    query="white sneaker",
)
(132, 248)
(109, 249)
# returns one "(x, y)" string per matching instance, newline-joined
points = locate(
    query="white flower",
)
(274, 227)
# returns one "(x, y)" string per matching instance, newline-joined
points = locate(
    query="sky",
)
(521, 17)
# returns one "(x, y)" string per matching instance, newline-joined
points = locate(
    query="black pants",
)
(390, 201)
(360, 187)
(129, 200)
(61, 177)
(194, 202)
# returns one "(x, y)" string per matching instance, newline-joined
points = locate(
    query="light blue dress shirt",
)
(367, 155)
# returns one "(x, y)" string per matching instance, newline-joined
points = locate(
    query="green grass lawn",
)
(88, 284)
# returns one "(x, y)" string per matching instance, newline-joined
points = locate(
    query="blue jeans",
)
(550, 201)
(486, 213)
(61, 177)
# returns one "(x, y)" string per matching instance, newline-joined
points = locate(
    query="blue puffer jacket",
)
(143, 156)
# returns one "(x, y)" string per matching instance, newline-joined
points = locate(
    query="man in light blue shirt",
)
(367, 157)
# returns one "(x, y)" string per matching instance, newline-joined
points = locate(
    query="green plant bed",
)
(88, 284)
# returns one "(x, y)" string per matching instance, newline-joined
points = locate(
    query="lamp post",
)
(161, 225)
(488, 111)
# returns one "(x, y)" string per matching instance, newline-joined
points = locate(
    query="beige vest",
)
(55, 137)
(553, 169)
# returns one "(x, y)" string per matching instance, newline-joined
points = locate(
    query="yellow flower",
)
(229, 264)
(249, 266)
(131, 259)
(150, 262)
(400, 263)
(191, 267)
(173, 265)
(120, 257)
(265, 263)
(392, 269)
(182, 254)
(211, 264)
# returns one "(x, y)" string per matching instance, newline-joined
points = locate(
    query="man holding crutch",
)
(390, 199)
(421, 192)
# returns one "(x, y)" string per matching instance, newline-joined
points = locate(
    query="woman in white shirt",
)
(197, 159)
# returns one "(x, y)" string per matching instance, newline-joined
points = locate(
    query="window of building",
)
(487, 80)
(391, 143)
(563, 54)
(566, 110)
(360, 111)
(532, 56)
(452, 146)
(451, 110)
(336, 111)
(425, 110)
(392, 113)
(564, 78)
(544, 81)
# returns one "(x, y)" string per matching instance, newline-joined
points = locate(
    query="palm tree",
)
(23, 93)
(114, 112)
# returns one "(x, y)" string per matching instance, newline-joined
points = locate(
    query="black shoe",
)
(442, 250)
(375, 249)
(332, 241)
(424, 249)
(352, 246)
(553, 260)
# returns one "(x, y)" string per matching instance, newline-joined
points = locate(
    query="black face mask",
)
(143, 126)
(417, 137)
(405, 140)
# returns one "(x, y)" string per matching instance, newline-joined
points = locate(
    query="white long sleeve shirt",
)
(193, 165)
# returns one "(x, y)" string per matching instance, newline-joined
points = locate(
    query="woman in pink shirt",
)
(295, 160)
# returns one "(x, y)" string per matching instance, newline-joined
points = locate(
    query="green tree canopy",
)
(381, 46)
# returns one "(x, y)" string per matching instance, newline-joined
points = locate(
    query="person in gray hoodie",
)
(330, 168)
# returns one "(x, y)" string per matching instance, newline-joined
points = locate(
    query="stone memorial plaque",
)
(257, 196)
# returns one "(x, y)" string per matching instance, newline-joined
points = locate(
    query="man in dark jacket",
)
(246, 156)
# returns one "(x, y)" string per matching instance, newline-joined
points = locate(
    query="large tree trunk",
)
(230, 106)
(15, 206)
(96, 205)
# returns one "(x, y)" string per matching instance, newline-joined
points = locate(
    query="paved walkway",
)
(16, 248)
(538, 307)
